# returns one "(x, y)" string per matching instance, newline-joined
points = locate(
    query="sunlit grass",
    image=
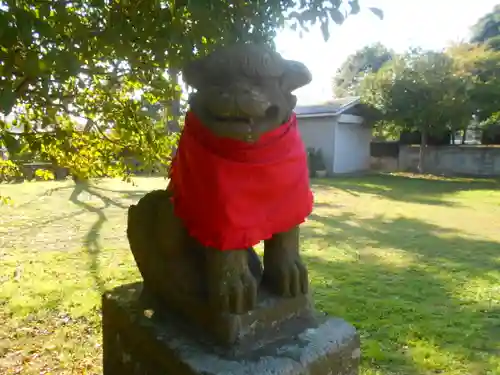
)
(413, 263)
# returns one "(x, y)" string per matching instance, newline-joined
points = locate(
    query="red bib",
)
(231, 194)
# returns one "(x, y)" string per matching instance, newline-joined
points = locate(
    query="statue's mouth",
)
(238, 117)
(232, 119)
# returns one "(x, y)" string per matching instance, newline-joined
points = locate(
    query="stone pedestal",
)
(138, 340)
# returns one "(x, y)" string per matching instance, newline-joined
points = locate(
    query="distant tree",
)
(367, 60)
(479, 67)
(418, 91)
(487, 29)
(429, 94)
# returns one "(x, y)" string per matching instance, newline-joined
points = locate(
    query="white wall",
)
(318, 132)
(352, 145)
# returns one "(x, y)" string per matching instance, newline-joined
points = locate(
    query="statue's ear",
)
(295, 76)
(192, 74)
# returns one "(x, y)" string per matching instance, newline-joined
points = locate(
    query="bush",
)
(381, 149)
(414, 138)
(315, 161)
(491, 135)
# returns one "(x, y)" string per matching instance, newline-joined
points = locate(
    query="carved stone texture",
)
(244, 90)
(206, 311)
(136, 342)
(178, 272)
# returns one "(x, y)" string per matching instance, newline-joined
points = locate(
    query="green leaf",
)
(44, 174)
(309, 15)
(11, 143)
(378, 12)
(325, 29)
(4, 200)
(354, 6)
(44, 10)
(32, 64)
(24, 22)
(7, 100)
(337, 16)
(70, 61)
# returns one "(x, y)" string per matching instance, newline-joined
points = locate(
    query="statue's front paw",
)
(232, 287)
(287, 278)
(235, 294)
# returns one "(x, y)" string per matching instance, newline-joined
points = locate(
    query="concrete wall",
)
(384, 163)
(318, 132)
(453, 160)
(352, 145)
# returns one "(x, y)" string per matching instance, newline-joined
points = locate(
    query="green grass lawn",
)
(412, 262)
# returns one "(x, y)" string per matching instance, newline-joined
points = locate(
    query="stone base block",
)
(137, 341)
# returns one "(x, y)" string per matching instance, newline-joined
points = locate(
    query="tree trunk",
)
(464, 136)
(88, 126)
(173, 109)
(172, 114)
(423, 146)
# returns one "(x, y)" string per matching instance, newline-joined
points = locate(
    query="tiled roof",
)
(333, 107)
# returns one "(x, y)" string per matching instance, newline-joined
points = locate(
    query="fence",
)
(469, 160)
(384, 156)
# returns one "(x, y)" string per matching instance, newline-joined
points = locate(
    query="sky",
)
(430, 24)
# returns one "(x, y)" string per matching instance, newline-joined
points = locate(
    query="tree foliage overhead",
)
(79, 78)
(367, 60)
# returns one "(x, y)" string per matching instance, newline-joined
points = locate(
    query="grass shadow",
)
(409, 188)
(45, 222)
(44, 194)
(91, 240)
(127, 194)
(406, 316)
(438, 246)
(437, 303)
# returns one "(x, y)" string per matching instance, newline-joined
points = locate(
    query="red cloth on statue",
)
(231, 194)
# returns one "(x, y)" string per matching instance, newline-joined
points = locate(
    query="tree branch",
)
(23, 85)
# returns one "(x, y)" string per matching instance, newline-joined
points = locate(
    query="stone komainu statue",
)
(239, 177)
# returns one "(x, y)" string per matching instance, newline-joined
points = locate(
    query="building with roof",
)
(339, 131)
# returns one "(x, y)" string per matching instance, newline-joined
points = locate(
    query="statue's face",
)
(244, 91)
(243, 109)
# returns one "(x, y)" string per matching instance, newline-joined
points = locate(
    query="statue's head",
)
(244, 90)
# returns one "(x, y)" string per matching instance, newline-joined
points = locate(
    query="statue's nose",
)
(253, 103)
